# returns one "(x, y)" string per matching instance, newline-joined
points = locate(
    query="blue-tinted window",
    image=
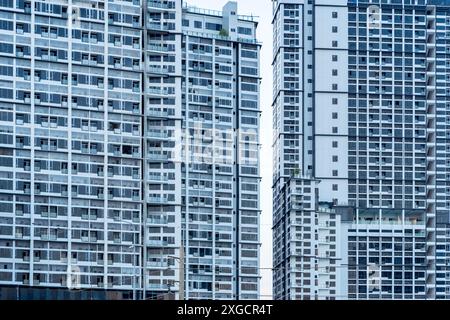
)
(246, 31)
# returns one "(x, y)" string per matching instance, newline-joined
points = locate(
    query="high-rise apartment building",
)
(361, 109)
(220, 164)
(129, 151)
(310, 141)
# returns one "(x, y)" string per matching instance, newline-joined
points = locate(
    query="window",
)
(334, 14)
(334, 101)
(334, 115)
(335, 72)
(248, 54)
(335, 173)
(198, 24)
(335, 130)
(334, 58)
(334, 86)
(335, 187)
(213, 26)
(335, 144)
(335, 158)
(334, 44)
(334, 29)
(185, 23)
(246, 31)
(6, 47)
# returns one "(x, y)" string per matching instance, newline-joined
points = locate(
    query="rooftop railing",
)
(217, 13)
(219, 37)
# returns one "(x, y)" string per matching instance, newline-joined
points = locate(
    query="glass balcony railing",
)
(160, 5)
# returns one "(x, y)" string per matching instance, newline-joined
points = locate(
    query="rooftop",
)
(217, 13)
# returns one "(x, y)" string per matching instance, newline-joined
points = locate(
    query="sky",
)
(263, 10)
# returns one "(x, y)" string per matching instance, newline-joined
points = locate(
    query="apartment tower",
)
(128, 151)
(361, 115)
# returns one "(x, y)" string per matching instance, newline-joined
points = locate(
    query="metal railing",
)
(217, 13)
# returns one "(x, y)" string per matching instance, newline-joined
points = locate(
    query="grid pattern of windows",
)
(397, 107)
(306, 231)
(220, 173)
(124, 138)
(71, 158)
(379, 146)
(388, 264)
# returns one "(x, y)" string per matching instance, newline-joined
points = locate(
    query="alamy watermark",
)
(373, 17)
(373, 277)
(200, 144)
(74, 12)
(73, 277)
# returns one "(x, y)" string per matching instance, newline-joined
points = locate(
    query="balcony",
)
(156, 286)
(159, 5)
(158, 70)
(157, 220)
(157, 177)
(158, 92)
(157, 156)
(158, 114)
(157, 199)
(157, 26)
(158, 48)
(157, 264)
(157, 134)
(156, 243)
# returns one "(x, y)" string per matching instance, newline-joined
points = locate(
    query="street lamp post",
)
(134, 265)
(133, 246)
(180, 272)
(134, 269)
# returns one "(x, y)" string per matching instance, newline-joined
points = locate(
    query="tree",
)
(223, 33)
(296, 172)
